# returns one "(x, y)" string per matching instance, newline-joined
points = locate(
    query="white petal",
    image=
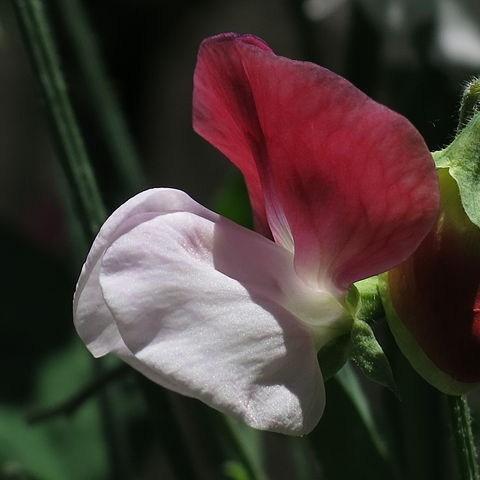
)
(101, 333)
(196, 300)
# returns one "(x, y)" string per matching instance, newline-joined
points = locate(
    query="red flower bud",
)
(433, 301)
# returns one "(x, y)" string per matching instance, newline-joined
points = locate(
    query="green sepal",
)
(413, 352)
(368, 356)
(333, 356)
(462, 160)
(365, 305)
(364, 302)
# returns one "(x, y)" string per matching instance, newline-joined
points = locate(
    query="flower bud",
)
(432, 300)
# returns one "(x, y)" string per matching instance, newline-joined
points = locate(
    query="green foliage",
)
(57, 449)
(235, 471)
(365, 306)
(462, 160)
(232, 200)
(470, 103)
(364, 301)
(249, 442)
(348, 435)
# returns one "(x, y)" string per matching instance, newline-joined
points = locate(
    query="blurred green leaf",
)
(63, 447)
(236, 471)
(232, 200)
(418, 428)
(14, 471)
(348, 436)
(249, 441)
(30, 449)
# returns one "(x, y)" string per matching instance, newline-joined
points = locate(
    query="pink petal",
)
(351, 180)
(435, 296)
(196, 303)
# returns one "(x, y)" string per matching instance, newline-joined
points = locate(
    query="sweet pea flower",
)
(341, 188)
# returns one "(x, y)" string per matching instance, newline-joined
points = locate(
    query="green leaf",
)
(28, 450)
(368, 356)
(56, 449)
(462, 161)
(350, 384)
(232, 200)
(249, 442)
(235, 471)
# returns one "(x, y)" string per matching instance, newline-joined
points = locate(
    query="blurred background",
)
(412, 55)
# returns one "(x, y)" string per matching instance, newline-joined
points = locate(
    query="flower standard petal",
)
(351, 180)
(224, 111)
(199, 304)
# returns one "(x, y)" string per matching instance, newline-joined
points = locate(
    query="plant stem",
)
(463, 436)
(73, 155)
(101, 96)
(35, 25)
(470, 103)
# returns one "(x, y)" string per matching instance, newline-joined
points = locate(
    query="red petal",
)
(224, 113)
(354, 180)
(435, 293)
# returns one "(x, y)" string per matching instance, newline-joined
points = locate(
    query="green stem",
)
(101, 96)
(73, 155)
(470, 103)
(463, 437)
(75, 163)
(234, 436)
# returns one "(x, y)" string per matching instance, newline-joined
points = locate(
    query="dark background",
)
(412, 55)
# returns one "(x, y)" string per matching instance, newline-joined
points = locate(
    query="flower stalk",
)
(463, 437)
(73, 154)
(82, 186)
(101, 96)
(469, 105)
